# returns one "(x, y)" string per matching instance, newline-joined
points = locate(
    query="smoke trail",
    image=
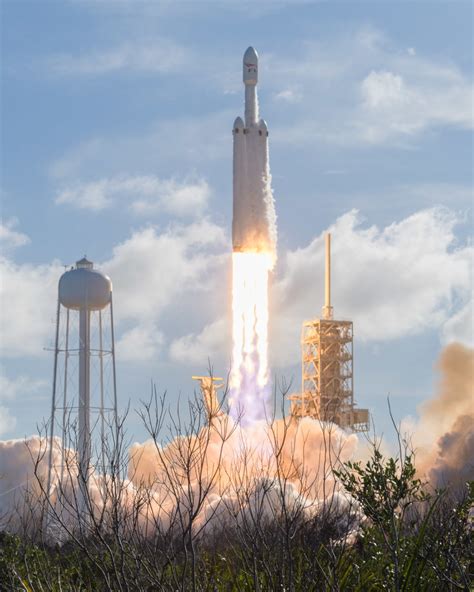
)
(266, 460)
(444, 436)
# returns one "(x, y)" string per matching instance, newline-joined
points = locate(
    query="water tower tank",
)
(84, 287)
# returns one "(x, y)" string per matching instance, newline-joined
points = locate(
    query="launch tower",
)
(327, 391)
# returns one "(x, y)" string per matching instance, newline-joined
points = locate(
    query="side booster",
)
(253, 210)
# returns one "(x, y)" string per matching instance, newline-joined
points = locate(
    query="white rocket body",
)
(254, 221)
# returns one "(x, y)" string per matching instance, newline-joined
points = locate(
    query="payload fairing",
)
(254, 220)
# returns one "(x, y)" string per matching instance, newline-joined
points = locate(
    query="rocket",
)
(254, 220)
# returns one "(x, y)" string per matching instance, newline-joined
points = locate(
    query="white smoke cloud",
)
(238, 465)
(240, 470)
(443, 435)
(144, 195)
(17, 470)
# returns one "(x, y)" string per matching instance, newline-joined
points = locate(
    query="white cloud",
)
(396, 281)
(161, 277)
(142, 343)
(10, 238)
(392, 282)
(160, 55)
(212, 343)
(15, 388)
(369, 91)
(144, 194)
(383, 89)
(400, 280)
(392, 106)
(7, 421)
(151, 270)
(19, 386)
(28, 296)
(288, 96)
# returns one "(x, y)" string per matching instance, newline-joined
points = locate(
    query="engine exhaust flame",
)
(249, 380)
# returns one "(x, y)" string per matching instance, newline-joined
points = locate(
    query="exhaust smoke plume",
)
(444, 435)
(268, 464)
(239, 468)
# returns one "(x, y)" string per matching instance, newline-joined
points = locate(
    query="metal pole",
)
(303, 350)
(53, 405)
(84, 405)
(327, 308)
(102, 419)
(328, 272)
(114, 378)
(66, 360)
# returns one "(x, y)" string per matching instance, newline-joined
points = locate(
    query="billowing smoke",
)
(225, 469)
(269, 465)
(444, 435)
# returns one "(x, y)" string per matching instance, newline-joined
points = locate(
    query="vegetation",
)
(379, 529)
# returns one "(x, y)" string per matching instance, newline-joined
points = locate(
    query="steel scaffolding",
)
(327, 391)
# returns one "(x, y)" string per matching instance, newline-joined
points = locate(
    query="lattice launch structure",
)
(327, 392)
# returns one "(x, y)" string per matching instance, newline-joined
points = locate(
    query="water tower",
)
(84, 398)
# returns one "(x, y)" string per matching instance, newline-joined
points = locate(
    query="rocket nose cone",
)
(238, 123)
(251, 54)
(250, 66)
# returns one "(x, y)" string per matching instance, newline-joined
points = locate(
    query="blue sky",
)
(116, 142)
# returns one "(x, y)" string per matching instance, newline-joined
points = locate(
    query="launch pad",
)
(327, 389)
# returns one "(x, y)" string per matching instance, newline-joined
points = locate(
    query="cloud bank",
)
(400, 280)
(142, 194)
